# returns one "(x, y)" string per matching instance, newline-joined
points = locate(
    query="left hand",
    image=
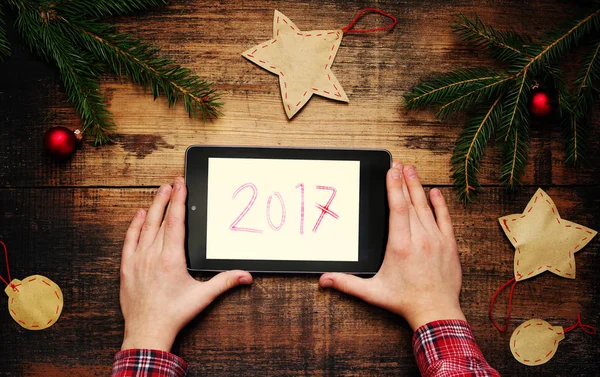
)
(158, 295)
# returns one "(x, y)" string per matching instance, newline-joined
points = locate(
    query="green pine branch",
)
(555, 45)
(474, 97)
(139, 61)
(68, 34)
(507, 96)
(576, 122)
(469, 149)
(101, 8)
(588, 75)
(4, 46)
(516, 148)
(576, 130)
(78, 72)
(449, 86)
(504, 45)
(517, 98)
(557, 77)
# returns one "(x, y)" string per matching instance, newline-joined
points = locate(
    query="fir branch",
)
(557, 77)
(575, 131)
(475, 96)
(517, 98)
(80, 9)
(469, 150)
(504, 45)
(516, 148)
(590, 73)
(556, 45)
(576, 122)
(445, 87)
(78, 72)
(139, 61)
(4, 46)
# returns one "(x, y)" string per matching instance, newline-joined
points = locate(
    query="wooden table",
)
(67, 220)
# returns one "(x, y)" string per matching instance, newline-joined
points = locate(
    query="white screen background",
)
(334, 240)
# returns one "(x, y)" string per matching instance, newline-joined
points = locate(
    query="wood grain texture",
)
(375, 70)
(67, 220)
(281, 325)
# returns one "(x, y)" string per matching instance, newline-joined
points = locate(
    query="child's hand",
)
(158, 295)
(420, 277)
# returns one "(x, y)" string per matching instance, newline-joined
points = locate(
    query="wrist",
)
(162, 341)
(426, 316)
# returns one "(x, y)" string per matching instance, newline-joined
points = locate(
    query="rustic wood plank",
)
(282, 324)
(375, 69)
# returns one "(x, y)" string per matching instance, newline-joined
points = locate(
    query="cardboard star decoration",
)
(302, 60)
(544, 241)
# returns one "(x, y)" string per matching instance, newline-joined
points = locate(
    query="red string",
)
(586, 328)
(351, 24)
(510, 297)
(7, 268)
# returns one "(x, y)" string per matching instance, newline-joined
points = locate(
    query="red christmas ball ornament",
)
(541, 103)
(61, 141)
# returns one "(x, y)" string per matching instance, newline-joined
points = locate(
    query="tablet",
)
(286, 209)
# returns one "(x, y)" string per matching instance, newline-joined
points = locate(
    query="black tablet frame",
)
(373, 208)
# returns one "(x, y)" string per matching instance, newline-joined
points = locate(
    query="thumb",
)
(349, 284)
(224, 281)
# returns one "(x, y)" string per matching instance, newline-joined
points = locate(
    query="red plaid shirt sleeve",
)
(148, 363)
(447, 348)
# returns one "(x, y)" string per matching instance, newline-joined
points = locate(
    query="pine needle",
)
(504, 45)
(4, 46)
(470, 147)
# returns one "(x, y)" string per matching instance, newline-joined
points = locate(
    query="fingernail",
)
(244, 280)
(398, 165)
(410, 171)
(436, 192)
(139, 213)
(396, 174)
(162, 189)
(327, 283)
(177, 185)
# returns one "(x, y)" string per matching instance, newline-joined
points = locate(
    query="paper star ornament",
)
(544, 241)
(302, 60)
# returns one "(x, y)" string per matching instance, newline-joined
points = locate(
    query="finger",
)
(133, 235)
(418, 198)
(348, 284)
(442, 215)
(399, 227)
(223, 282)
(174, 224)
(155, 216)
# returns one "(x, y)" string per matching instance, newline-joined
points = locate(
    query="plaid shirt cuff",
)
(447, 348)
(148, 363)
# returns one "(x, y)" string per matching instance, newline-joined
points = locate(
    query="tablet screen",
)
(280, 209)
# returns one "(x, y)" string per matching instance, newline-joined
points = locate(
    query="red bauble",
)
(541, 103)
(61, 141)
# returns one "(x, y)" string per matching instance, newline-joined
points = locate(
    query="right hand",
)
(420, 277)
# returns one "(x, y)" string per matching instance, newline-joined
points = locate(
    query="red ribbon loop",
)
(348, 28)
(7, 268)
(510, 297)
(586, 328)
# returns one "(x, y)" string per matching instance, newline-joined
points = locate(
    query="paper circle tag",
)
(35, 302)
(535, 342)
